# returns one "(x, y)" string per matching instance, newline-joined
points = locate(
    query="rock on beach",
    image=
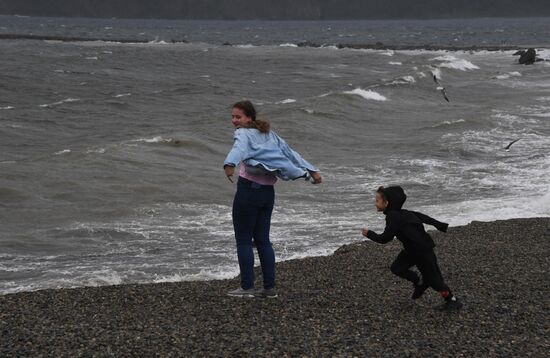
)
(347, 304)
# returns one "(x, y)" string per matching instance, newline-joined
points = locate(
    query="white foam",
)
(544, 53)
(202, 275)
(122, 95)
(285, 101)
(7, 108)
(288, 45)
(91, 58)
(453, 122)
(156, 41)
(395, 63)
(452, 62)
(463, 213)
(367, 94)
(103, 278)
(99, 151)
(508, 75)
(64, 151)
(329, 47)
(403, 80)
(245, 46)
(387, 53)
(157, 139)
(436, 72)
(543, 115)
(67, 100)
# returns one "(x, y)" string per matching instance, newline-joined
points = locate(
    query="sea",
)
(111, 151)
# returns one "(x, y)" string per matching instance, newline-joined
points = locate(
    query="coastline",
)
(344, 304)
(372, 46)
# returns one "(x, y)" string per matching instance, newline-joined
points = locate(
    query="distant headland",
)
(277, 10)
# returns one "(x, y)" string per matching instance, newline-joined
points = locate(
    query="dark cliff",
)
(277, 10)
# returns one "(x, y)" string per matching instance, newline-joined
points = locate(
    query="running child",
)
(407, 226)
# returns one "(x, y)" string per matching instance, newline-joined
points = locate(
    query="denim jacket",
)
(268, 152)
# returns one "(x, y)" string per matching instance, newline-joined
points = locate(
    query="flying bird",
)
(441, 88)
(509, 145)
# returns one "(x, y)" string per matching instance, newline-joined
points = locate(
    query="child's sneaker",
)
(266, 293)
(419, 290)
(451, 305)
(240, 292)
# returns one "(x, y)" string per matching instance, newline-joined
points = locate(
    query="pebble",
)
(347, 304)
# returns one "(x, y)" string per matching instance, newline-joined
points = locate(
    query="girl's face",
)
(238, 118)
(380, 203)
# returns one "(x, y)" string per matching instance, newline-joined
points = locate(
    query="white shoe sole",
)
(241, 296)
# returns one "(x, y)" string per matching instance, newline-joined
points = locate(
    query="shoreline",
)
(347, 303)
(306, 44)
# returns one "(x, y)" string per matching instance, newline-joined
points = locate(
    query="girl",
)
(262, 156)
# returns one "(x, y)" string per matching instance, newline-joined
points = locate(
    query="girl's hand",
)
(365, 231)
(229, 171)
(317, 179)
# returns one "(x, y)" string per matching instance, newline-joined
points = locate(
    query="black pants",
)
(426, 262)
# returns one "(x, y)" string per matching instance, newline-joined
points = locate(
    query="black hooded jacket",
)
(406, 225)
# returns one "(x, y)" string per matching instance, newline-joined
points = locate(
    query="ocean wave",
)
(67, 100)
(285, 101)
(97, 151)
(464, 212)
(174, 142)
(245, 46)
(448, 123)
(452, 62)
(64, 151)
(508, 75)
(403, 80)
(367, 94)
(203, 275)
(7, 108)
(436, 72)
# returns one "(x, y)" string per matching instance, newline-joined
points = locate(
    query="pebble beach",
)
(345, 304)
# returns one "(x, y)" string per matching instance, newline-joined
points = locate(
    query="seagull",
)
(509, 145)
(441, 88)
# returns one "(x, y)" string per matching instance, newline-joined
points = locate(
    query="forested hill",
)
(277, 9)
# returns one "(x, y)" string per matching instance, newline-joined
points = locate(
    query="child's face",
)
(380, 203)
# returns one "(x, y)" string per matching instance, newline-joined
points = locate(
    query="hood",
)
(396, 197)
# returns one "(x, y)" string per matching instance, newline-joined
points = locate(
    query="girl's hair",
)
(248, 109)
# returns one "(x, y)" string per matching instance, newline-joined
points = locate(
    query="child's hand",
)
(365, 231)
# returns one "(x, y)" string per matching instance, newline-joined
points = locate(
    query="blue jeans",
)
(252, 208)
